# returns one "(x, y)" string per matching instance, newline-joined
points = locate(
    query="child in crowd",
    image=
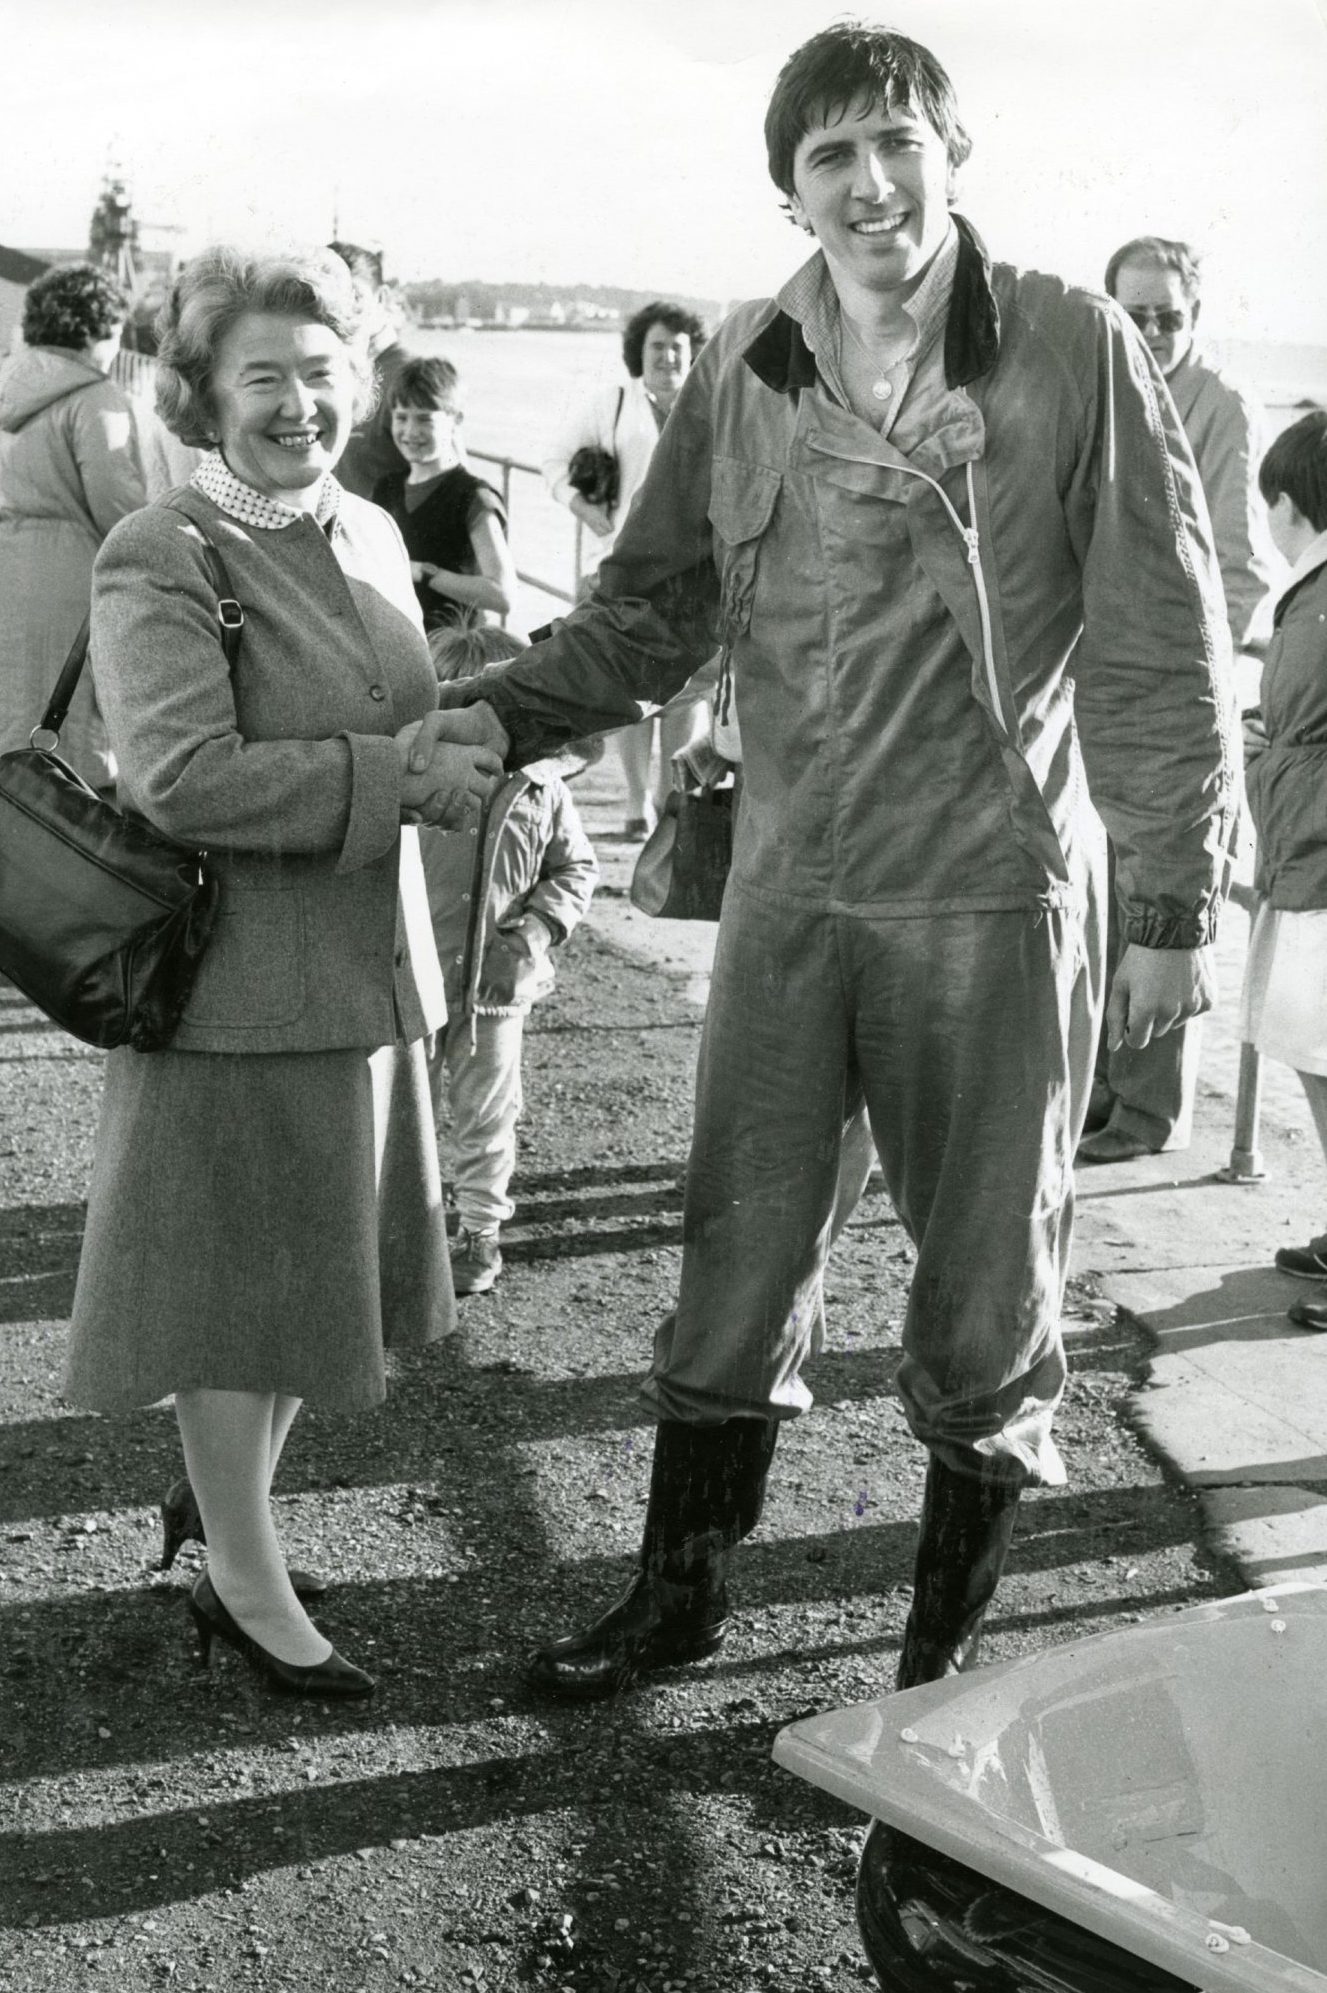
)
(1285, 982)
(453, 523)
(502, 897)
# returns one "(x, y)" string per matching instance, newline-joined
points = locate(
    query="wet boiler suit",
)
(920, 633)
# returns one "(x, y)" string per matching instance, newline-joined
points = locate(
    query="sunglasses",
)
(1167, 319)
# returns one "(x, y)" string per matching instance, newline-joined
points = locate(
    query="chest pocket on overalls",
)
(742, 498)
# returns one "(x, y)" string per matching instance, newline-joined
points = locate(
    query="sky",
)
(619, 141)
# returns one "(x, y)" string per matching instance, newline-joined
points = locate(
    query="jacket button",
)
(465, 899)
(378, 692)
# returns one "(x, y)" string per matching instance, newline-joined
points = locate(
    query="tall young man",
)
(943, 519)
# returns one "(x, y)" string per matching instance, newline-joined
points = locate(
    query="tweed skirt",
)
(259, 1222)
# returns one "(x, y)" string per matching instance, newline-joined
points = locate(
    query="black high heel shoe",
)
(333, 1677)
(181, 1524)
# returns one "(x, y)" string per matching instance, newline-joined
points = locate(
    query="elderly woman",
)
(265, 1210)
(624, 419)
(69, 471)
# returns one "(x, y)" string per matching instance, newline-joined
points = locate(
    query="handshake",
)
(451, 762)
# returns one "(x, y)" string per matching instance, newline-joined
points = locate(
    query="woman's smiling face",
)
(283, 391)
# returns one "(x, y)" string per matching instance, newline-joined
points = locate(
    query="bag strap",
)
(230, 616)
(617, 417)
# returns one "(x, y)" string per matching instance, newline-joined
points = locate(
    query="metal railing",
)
(507, 465)
(1246, 1163)
(135, 372)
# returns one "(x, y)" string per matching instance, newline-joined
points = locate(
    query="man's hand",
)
(699, 766)
(1154, 989)
(463, 726)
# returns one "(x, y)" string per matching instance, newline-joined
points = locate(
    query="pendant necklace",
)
(882, 389)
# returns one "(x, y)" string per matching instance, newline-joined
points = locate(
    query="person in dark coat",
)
(1285, 746)
(371, 454)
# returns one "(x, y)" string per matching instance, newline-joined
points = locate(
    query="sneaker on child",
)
(476, 1261)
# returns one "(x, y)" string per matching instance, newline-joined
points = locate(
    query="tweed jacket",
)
(287, 774)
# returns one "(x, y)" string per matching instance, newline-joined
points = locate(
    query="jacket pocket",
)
(1286, 787)
(253, 971)
(742, 501)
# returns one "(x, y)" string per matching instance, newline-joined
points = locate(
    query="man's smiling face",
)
(874, 188)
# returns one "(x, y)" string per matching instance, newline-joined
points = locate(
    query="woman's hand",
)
(593, 516)
(455, 777)
(421, 571)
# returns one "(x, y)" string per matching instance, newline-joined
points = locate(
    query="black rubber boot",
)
(966, 1526)
(707, 1488)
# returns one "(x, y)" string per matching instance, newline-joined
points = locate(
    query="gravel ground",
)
(161, 1825)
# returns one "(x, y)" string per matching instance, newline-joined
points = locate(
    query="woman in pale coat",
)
(69, 470)
(265, 1209)
(659, 344)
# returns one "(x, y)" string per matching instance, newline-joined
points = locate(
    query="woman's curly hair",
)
(218, 287)
(674, 316)
(73, 305)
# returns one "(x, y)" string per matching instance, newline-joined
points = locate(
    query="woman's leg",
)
(634, 745)
(1315, 1087)
(229, 1438)
(284, 1410)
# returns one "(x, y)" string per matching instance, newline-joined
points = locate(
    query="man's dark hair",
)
(1296, 464)
(426, 382)
(847, 62)
(673, 316)
(73, 305)
(1164, 254)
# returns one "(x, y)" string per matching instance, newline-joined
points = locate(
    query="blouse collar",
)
(217, 481)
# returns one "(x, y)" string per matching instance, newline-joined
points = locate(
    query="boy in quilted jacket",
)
(502, 895)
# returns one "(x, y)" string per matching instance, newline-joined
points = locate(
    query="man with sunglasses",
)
(1142, 1099)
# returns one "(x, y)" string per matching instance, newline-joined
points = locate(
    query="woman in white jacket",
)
(659, 345)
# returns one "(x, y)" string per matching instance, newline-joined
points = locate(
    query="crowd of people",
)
(951, 556)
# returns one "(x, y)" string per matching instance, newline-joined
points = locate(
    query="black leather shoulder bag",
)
(103, 921)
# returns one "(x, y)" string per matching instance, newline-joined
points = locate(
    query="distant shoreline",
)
(497, 325)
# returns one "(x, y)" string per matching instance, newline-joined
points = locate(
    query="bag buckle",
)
(44, 739)
(229, 613)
